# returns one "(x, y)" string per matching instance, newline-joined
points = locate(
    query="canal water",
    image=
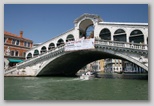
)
(109, 87)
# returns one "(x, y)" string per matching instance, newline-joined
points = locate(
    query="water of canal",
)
(110, 87)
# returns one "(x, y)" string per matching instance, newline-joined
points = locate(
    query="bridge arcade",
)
(92, 26)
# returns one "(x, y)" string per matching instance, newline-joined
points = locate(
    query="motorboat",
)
(87, 76)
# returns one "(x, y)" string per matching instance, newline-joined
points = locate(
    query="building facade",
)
(95, 66)
(121, 66)
(129, 67)
(113, 65)
(15, 48)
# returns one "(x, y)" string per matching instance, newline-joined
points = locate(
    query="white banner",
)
(80, 44)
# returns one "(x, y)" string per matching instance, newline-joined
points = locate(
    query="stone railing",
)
(122, 44)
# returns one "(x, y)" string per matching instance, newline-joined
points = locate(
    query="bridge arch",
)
(73, 61)
(16, 53)
(105, 34)
(120, 35)
(136, 36)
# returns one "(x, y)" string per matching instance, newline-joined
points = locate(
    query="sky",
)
(41, 22)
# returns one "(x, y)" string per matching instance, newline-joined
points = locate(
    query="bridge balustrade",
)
(122, 44)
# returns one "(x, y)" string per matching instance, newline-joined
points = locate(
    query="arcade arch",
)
(43, 49)
(51, 46)
(36, 52)
(119, 35)
(60, 42)
(136, 36)
(70, 37)
(29, 55)
(105, 34)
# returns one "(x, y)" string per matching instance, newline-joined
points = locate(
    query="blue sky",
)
(41, 22)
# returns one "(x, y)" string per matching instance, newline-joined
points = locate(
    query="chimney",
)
(21, 33)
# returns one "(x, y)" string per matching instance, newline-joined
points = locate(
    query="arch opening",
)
(119, 35)
(136, 36)
(105, 34)
(60, 42)
(36, 52)
(90, 32)
(70, 37)
(86, 29)
(29, 55)
(43, 49)
(51, 46)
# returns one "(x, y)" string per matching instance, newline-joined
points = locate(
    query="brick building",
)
(14, 48)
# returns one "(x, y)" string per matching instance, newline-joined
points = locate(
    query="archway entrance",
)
(86, 29)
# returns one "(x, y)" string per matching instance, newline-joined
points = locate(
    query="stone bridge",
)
(126, 41)
(67, 63)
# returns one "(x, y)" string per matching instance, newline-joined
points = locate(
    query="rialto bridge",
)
(126, 41)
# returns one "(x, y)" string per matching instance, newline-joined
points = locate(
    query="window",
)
(17, 42)
(13, 41)
(25, 43)
(5, 39)
(28, 44)
(16, 54)
(12, 53)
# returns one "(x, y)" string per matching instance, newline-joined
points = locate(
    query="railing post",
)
(107, 43)
(126, 45)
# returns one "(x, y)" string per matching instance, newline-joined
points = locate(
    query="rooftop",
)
(6, 33)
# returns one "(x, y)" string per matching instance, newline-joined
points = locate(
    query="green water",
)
(63, 88)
